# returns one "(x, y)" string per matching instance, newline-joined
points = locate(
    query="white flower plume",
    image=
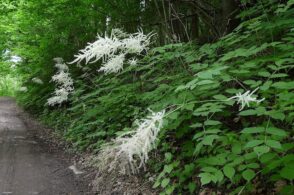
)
(64, 83)
(103, 48)
(136, 43)
(245, 99)
(129, 152)
(37, 81)
(107, 48)
(114, 65)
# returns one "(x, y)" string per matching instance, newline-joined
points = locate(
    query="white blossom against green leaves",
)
(114, 65)
(245, 99)
(112, 48)
(129, 152)
(64, 83)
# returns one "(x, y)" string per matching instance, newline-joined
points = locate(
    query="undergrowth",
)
(207, 144)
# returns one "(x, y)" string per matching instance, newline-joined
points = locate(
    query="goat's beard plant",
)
(64, 83)
(129, 152)
(113, 49)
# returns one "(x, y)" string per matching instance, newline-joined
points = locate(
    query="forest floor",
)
(28, 165)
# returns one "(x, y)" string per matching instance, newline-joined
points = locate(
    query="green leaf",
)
(260, 150)
(208, 140)
(278, 115)
(236, 148)
(212, 123)
(220, 97)
(264, 74)
(205, 178)
(205, 75)
(188, 107)
(248, 174)
(267, 157)
(219, 175)
(173, 115)
(205, 82)
(192, 187)
(253, 130)
(288, 172)
(209, 169)
(284, 85)
(248, 113)
(253, 143)
(276, 131)
(165, 182)
(252, 165)
(156, 184)
(229, 171)
(273, 144)
(170, 189)
(168, 168)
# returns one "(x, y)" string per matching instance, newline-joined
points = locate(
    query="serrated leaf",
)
(253, 130)
(212, 123)
(276, 131)
(170, 189)
(220, 97)
(276, 115)
(208, 140)
(284, 85)
(205, 178)
(248, 175)
(273, 144)
(209, 169)
(248, 112)
(288, 172)
(267, 157)
(253, 143)
(260, 150)
(156, 184)
(205, 82)
(219, 175)
(229, 171)
(168, 168)
(165, 182)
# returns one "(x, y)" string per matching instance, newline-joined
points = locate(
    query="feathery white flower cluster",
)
(245, 99)
(113, 49)
(64, 81)
(124, 152)
(37, 81)
(113, 65)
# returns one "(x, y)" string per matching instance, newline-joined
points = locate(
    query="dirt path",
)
(26, 168)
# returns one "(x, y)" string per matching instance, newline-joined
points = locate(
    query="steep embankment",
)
(230, 125)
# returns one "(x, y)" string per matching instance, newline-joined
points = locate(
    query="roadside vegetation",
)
(197, 94)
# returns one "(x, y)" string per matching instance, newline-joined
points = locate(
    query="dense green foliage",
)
(206, 142)
(9, 79)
